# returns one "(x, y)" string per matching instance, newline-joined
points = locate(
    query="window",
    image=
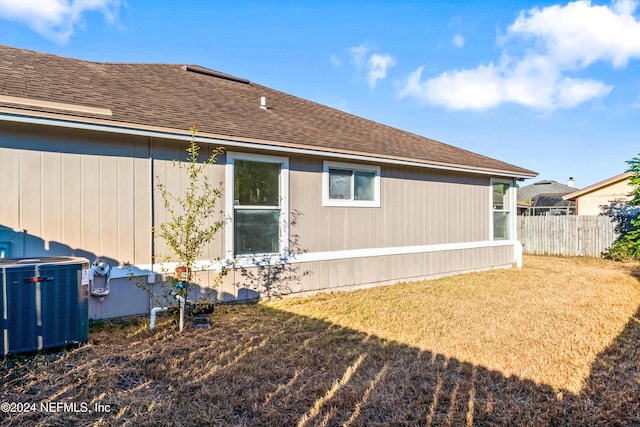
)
(257, 202)
(347, 184)
(501, 210)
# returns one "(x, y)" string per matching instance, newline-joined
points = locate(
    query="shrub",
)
(627, 247)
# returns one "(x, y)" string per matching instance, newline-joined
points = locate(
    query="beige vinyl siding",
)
(311, 277)
(344, 274)
(598, 201)
(175, 179)
(91, 194)
(124, 299)
(75, 193)
(418, 207)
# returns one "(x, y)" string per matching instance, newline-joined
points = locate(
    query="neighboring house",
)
(546, 198)
(319, 199)
(607, 197)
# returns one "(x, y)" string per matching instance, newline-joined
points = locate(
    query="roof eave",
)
(104, 125)
(598, 185)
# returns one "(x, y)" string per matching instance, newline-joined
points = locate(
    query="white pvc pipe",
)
(517, 247)
(154, 311)
(181, 300)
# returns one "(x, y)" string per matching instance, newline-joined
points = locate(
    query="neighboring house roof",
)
(598, 185)
(543, 187)
(169, 98)
(546, 200)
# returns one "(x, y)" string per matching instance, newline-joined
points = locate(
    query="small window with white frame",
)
(501, 210)
(348, 184)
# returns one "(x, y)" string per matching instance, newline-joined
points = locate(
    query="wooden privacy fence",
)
(567, 235)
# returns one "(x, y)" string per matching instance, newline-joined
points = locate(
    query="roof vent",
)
(263, 103)
(571, 183)
(213, 73)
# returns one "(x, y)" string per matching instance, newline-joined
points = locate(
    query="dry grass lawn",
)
(557, 343)
(546, 323)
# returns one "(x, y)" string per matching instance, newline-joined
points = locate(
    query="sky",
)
(546, 85)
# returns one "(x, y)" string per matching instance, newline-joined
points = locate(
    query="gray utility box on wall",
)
(44, 303)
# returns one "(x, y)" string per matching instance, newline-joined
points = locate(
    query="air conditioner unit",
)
(44, 303)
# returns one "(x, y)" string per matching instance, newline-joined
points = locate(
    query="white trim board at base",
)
(400, 250)
(247, 262)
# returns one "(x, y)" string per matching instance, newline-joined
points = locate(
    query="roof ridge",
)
(213, 73)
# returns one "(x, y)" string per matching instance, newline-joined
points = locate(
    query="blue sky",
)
(550, 86)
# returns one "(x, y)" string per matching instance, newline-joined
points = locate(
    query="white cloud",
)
(571, 92)
(458, 41)
(488, 86)
(358, 55)
(377, 66)
(55, 19)
(579, 34)
(564, 40)
(468, 89)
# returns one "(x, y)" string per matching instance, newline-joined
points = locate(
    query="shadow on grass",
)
(261, 366)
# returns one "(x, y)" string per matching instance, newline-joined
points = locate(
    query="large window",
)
(347, 184)
(258, 204)
(501, 210)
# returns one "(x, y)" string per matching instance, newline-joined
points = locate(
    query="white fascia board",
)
(247, 145)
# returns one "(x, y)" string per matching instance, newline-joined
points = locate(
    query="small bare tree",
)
(194, 216)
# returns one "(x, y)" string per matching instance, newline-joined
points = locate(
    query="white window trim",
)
(512, 207)
(229, 200)
(326, 201)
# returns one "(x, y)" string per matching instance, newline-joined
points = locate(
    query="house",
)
(546, 198)
(607, 197)
(347, 202)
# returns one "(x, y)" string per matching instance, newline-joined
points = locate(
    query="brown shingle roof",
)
(168, 96)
